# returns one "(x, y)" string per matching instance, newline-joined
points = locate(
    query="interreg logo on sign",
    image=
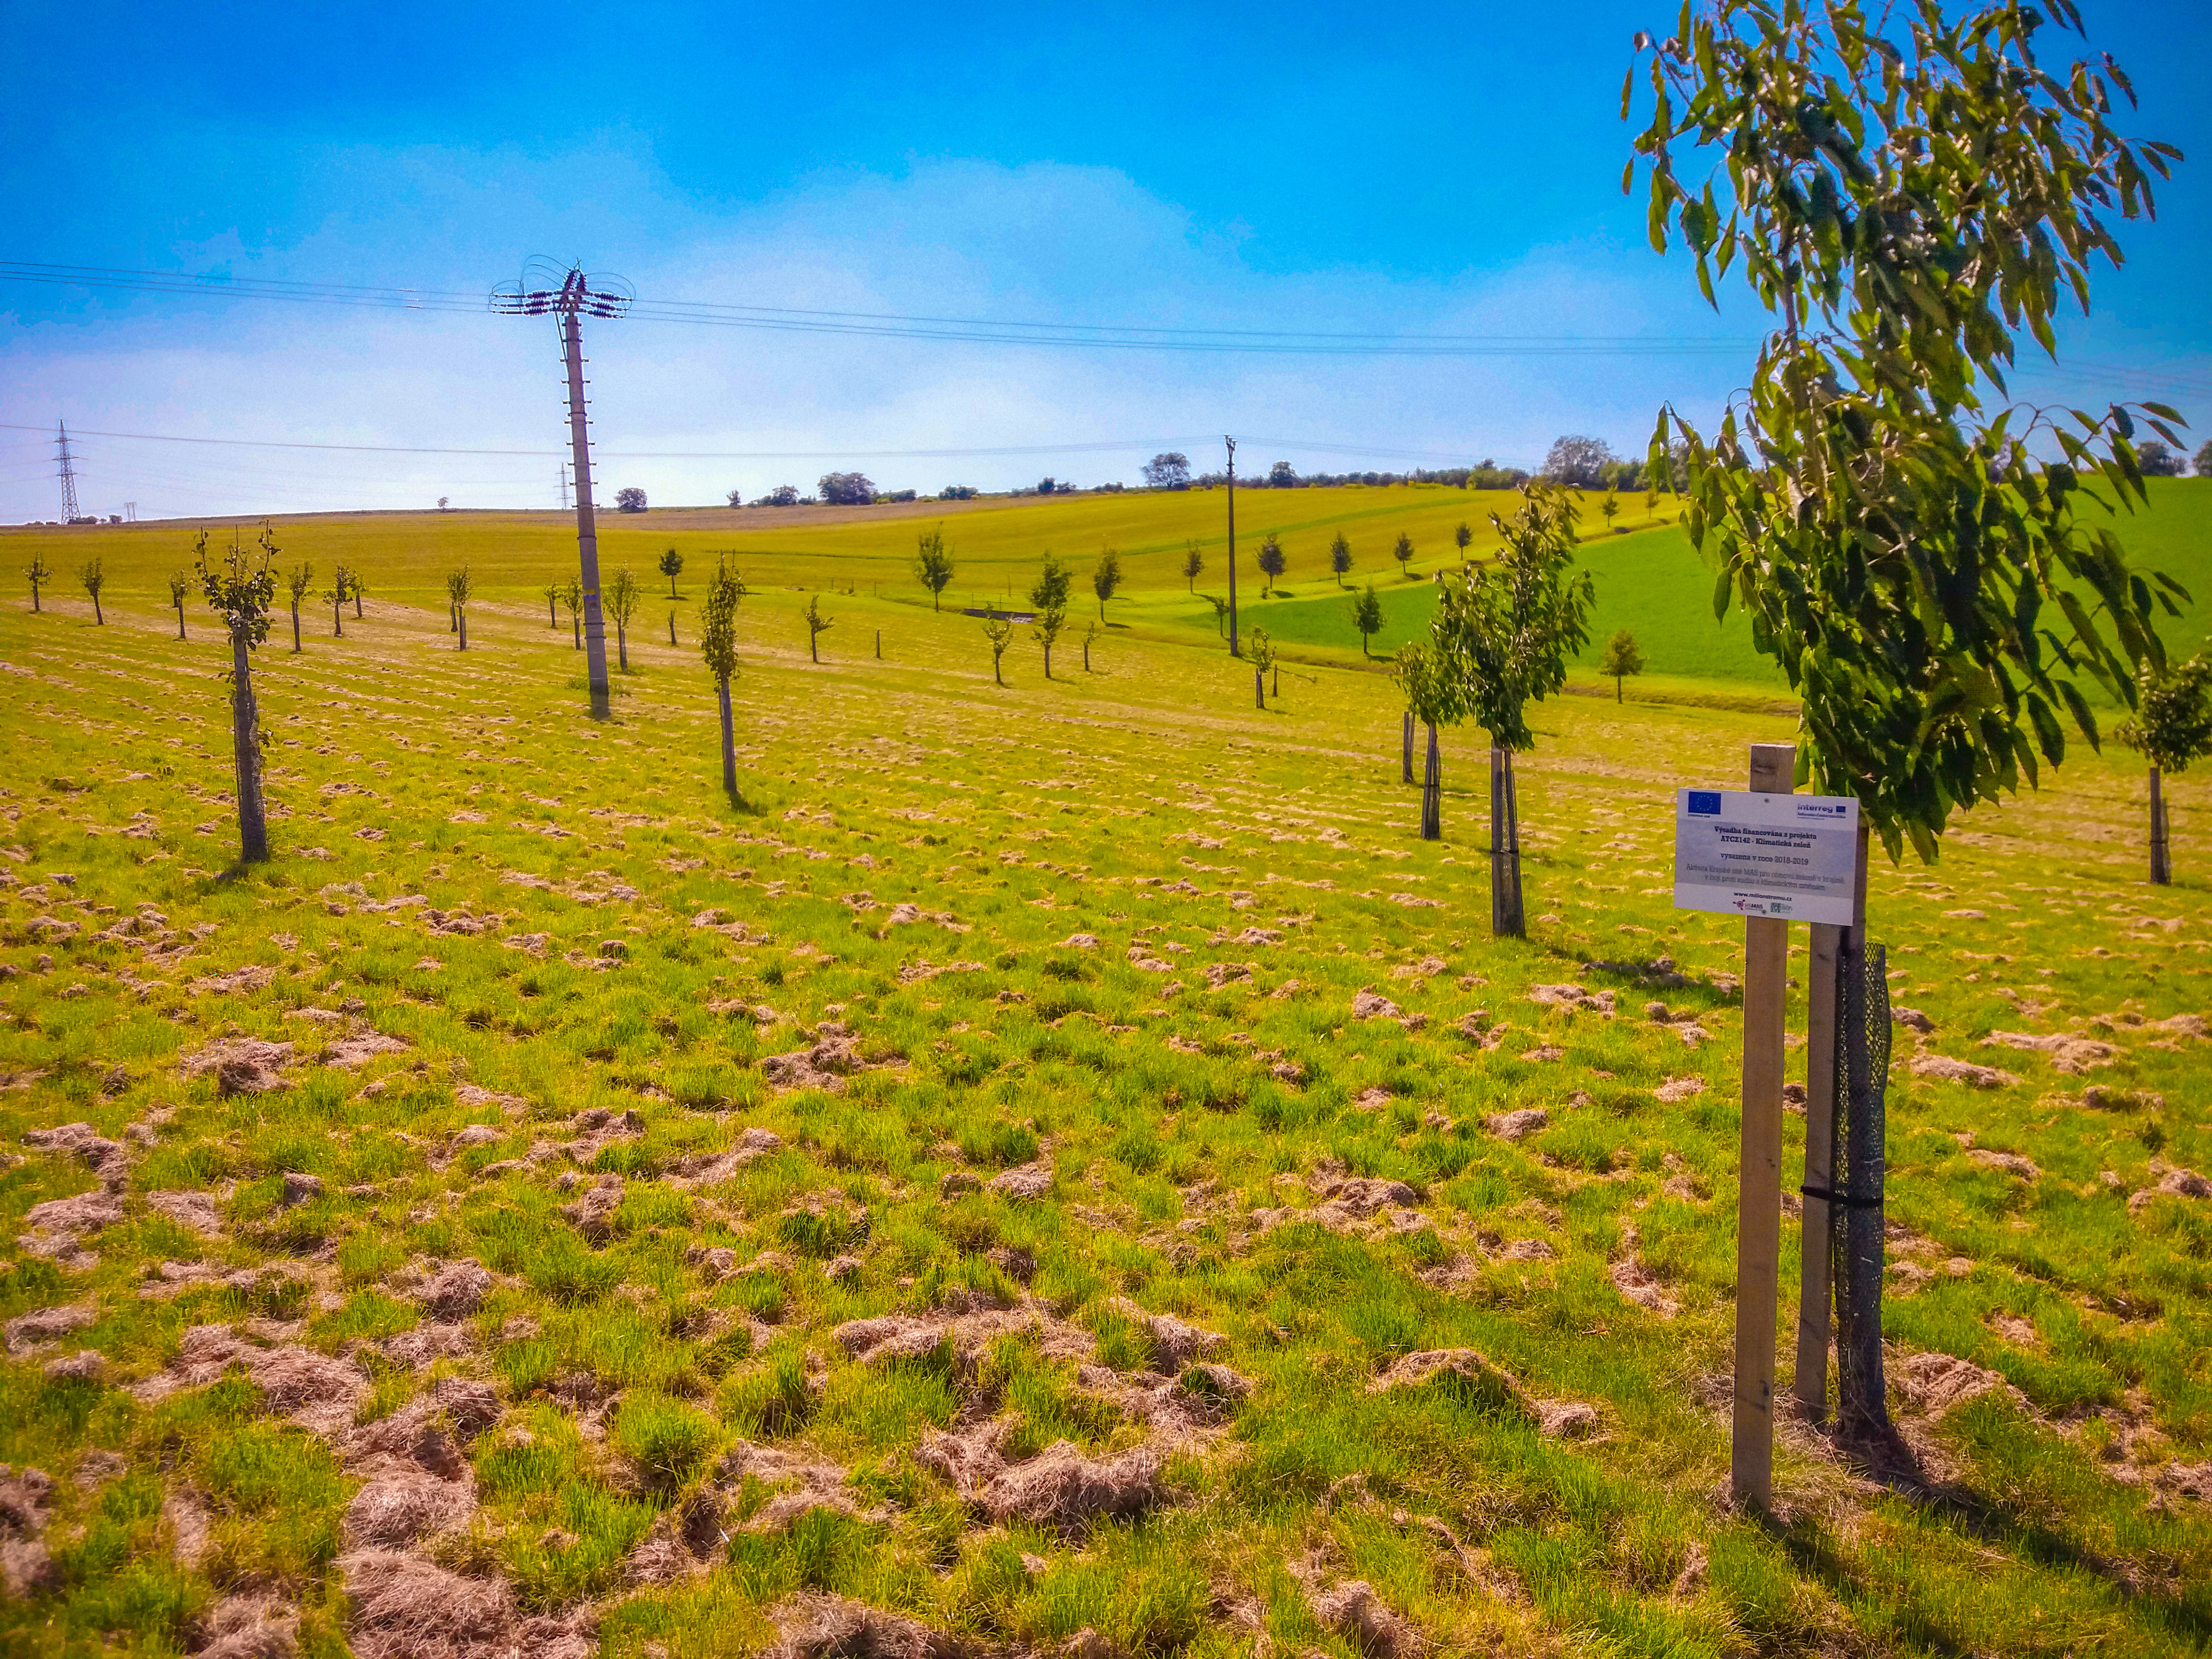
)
(1791, 857)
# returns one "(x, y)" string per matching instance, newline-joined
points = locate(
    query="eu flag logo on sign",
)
(1706, 803)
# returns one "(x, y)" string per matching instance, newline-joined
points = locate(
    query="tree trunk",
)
(813, 650)
(1406, 749)
(552, 612)
(996, 678)
(879, 642)
(576, 628)
(34, 599)
(453, 618)
(295, 631)
(2161, 866)
(729, 739)
(99, 616)
(461, 617)
(246, 742)
(1259, 687)
(337, 614)
(1506, 918)
(1048, 662)
(1432, 791)
(181, 619)
(621, 645)
(356, 604)
(671, 628)
(1618, 695)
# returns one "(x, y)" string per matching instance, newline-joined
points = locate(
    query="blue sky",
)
(1428, 170)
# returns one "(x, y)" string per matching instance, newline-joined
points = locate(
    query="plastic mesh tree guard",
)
(1856, 1216)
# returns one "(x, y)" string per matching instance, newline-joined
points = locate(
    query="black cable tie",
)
(1843, 1199)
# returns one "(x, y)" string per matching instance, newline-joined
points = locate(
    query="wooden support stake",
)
(1758, 1181)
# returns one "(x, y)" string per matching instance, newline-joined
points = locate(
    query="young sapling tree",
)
(298, 581)
(2171, 727)
(355, 589)
(181, 584)
(242, 589)
(1620, 660)
(718, 645)
(1220, 614)
(94, 578)
(1048, 598)
(933, 564)
(1192, 562)
(1402, 550)
(1340, 557)
(1271, 561)
(39, 572)
(1000, 631)
(1432, 698)
(1504, 634)
(572, 601)
(1105, 581)
(1367, 617)
(458, 586)
(340, 587)
(1093, 631)
(623, 596)
(671, 566)
(552, 605)
(1463, 538)
(1907, 193)
(816, 622)
(1610, 507)
(1259, 648)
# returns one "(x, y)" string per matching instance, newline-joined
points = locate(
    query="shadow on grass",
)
(1887, 1460)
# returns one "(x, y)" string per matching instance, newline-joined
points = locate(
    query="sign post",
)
(1771, 857)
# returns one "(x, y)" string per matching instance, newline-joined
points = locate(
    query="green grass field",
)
(960, 1198)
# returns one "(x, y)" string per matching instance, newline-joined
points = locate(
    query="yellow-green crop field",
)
(1057, 1167)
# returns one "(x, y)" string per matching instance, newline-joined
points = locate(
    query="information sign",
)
(1791, 857)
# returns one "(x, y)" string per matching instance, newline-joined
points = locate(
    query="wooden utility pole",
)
(1831, 945)
(1758, 1174)
(1231, 442)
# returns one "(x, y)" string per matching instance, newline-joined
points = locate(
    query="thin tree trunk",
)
(576, 628)
(621, 645)
(452, 619)
(181, 619)
(356, 604)
(462, 618)
(295, 631)
(34, 599)
(879, 642)
(245, 739)
(1406, 749)
(99, 616)
(1259, 688)
(1618, 696)
(2161, 866)
(1048, 662)
(729, 739)
(671, 628)
(552, 614)
(814, 650)
(337, 614)
(1432, 791)
(1506, 919)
